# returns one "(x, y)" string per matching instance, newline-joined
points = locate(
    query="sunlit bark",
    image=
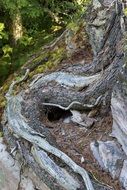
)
(17, 27)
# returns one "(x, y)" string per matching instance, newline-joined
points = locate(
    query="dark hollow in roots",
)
(54, 113)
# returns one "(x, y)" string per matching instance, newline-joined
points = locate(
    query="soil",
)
(75, 141)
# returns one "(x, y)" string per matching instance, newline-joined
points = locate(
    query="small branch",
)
(13, 150)
(54, 42)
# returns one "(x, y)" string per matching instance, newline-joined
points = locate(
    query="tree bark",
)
(17, 27)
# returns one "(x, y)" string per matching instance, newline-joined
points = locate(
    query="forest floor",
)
(75, 141)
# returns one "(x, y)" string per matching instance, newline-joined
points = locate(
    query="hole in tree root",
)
(55, 113)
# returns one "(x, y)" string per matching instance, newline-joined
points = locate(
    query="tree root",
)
(76, 105)
(18, 125)
(10, 91)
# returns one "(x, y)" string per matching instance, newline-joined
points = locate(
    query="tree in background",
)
(29, 24)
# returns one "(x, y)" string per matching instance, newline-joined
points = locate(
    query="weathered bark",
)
(118, 105)
(117, 168)
(112, 161)
(84, 89)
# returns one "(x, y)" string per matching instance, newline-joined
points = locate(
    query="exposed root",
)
(65, 79)
(45, 162)
(10, 91)
(20, 127)
(76, 105)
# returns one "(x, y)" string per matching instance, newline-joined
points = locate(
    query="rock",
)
(26, 183)
(123, 175)
(119, 112)
(82, 160)
(109, 156)
(10, 171)
(30, 181)
(95, 150)
(67, 120)
(82, 119)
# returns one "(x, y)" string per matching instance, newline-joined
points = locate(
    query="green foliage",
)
(11, 6)
(2, 27)
(125, 11)
(4, 70)
(3, 34)
(42, 20)
(1, 30)
(25, 40)
(7, 49)
(5, 53)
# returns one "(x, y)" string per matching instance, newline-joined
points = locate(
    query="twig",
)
(100, 182)
(76, 104)
(13, 150)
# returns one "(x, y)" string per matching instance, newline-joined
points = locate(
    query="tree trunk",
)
(17, 27)
(75, 87)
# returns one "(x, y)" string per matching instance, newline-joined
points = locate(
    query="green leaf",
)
(1, 27)
(7, 49)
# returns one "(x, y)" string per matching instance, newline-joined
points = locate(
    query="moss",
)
(41, 57)
(73, 26)
(2, 104)
(58, 53)
(49, 65)
(54, 58)
(40, 69)
(3, 91)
